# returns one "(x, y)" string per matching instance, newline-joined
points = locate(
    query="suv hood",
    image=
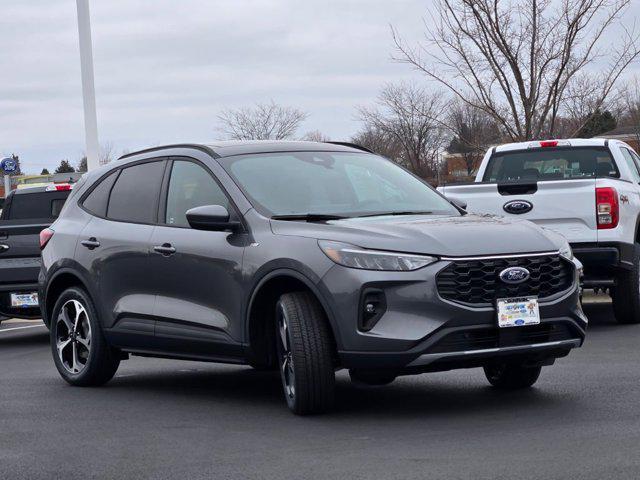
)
(428, 234)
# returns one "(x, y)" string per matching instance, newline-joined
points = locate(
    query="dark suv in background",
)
(305, 257)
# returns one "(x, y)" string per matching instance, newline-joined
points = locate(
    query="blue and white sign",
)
(8, 165)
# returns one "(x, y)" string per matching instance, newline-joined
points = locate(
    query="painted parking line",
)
(21, 328)
(20, 320)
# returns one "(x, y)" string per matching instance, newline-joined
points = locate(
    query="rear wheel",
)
(511, 376)
(80, 352)
(626, 294)
(305, 353)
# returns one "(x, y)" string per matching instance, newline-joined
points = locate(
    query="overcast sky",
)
(165, 68)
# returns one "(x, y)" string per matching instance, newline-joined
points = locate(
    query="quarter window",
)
(190, 186)
(134, 197)
(96, 202)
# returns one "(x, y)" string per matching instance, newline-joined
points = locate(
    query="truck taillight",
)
(45, 236)
(607, 207)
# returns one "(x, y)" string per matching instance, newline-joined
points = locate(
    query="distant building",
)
(455, 166)
(629, 134)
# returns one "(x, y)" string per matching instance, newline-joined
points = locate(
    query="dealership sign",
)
(8, 165)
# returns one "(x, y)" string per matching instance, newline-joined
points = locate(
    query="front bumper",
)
(420, 331)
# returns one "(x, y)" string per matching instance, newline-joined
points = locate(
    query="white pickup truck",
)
(585, 189)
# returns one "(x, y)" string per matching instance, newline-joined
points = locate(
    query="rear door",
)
(114, 248)
(552, 186)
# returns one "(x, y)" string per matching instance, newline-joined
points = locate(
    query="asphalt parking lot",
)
(170, 419)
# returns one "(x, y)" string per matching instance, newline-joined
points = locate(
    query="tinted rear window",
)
(134, 197)
(37, 205)
(96, 202)
(551, 164)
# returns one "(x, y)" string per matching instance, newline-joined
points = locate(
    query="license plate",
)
(24, 300)
(518, 312)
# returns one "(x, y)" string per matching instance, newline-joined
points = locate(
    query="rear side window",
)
(134, 196)
(551, 164)
(37, 205)
(96, 202)
(631, 163)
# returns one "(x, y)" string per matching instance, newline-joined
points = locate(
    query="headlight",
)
(356, 257)
(566, 251)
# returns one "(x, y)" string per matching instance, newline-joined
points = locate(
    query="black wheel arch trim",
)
(303, 278)
(66, 270)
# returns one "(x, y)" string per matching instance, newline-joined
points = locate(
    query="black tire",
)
(364, 377)
(305, 354)
(626, 294)
(86, 359)
(511, 376)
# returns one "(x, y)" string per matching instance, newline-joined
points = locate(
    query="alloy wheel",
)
(285, 356)
(73, 336)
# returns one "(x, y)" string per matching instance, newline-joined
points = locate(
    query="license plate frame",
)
(517, 312)
(24, 300)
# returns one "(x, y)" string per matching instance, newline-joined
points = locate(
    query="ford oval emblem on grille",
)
(514, 275)
(517, 207)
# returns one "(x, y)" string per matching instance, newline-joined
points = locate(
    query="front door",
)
(197, 273)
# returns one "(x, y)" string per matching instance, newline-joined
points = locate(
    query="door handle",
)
(165, 249)
(91, 243)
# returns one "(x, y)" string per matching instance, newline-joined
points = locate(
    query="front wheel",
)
(80, 351)
(511, 376)
(626, 294)
(305, 353)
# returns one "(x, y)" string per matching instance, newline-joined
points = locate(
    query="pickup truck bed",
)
(25, 214)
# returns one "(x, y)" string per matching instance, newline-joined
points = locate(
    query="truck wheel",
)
(80, 352)
(511, 376)
(626, 294)
(364, 377)
(305, 353)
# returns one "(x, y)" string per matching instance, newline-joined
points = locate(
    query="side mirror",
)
(211, 217)
(458, 203)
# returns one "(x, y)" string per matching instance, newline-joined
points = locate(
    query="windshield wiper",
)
(407, 212)
(309, 217)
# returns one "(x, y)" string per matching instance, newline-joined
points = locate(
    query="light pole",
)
(88, 89)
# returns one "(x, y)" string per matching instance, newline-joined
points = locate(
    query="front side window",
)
(190, 186)
(134, 196)
(550, 164)
(332, 183)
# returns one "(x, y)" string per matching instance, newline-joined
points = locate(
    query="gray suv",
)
(302, 257)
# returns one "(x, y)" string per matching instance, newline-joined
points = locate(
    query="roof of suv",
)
(228, 148)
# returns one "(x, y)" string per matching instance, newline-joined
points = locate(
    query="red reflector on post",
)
(45, 236)
(607, 208)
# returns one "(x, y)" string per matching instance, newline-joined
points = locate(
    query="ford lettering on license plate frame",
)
(518, 312)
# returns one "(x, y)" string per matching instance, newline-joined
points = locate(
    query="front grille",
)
(481, 339)
(477, 282)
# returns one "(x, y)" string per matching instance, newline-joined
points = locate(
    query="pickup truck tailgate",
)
(565, 206)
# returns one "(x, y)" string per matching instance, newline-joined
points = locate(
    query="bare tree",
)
(381, 143)
(315, 136)
(473, 131)
(517, 60)
(411, 116)
(630, 115)
(107, 153)
(267, 121)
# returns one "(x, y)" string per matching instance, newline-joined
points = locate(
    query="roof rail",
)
(352, 145)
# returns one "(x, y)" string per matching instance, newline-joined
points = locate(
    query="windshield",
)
(551, 164)
(331, 183)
